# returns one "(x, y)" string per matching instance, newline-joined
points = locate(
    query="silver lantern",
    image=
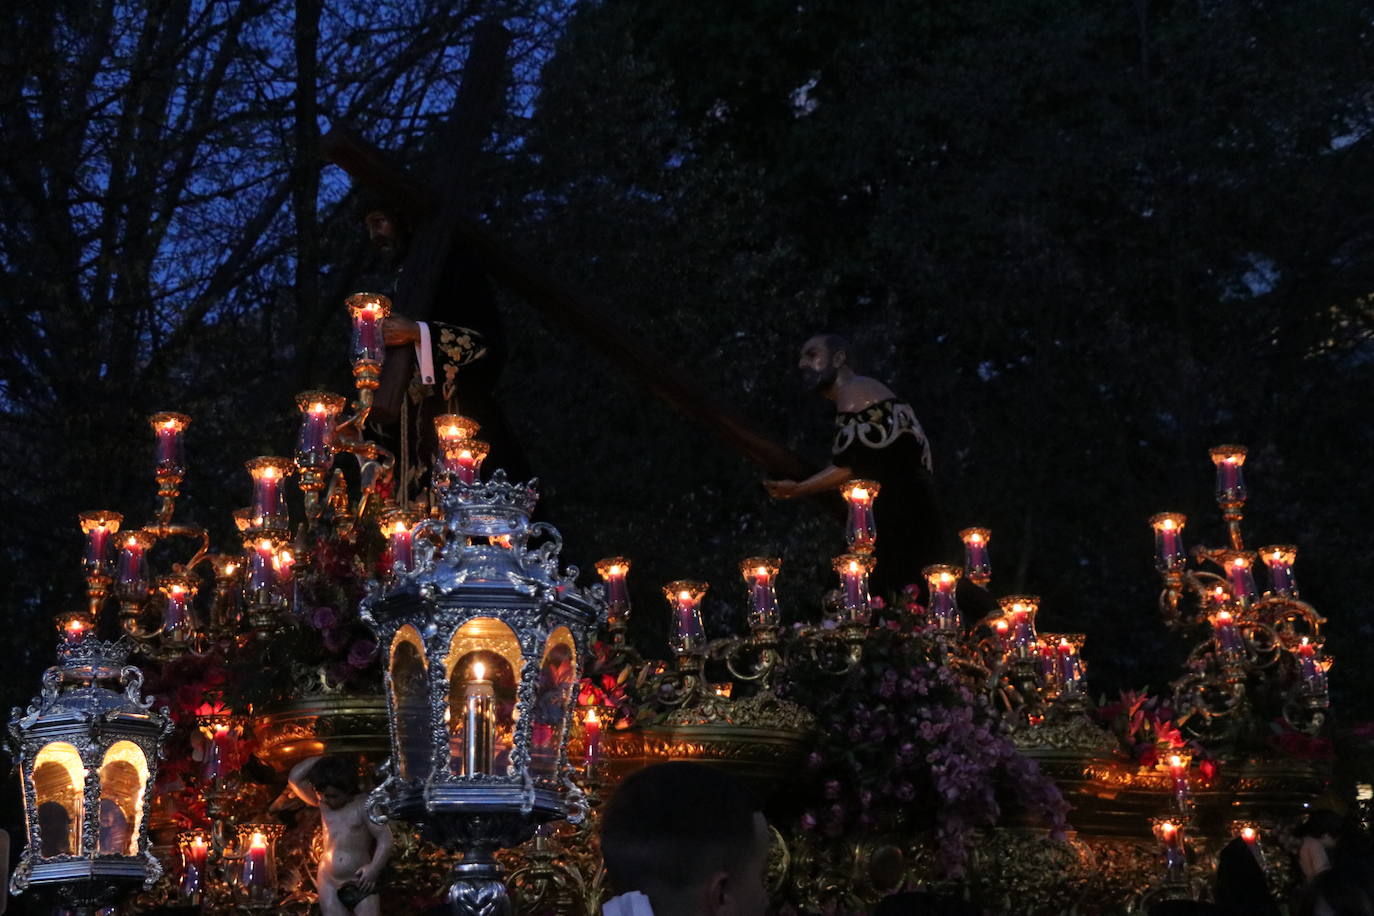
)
(87, 749)
(484, 643)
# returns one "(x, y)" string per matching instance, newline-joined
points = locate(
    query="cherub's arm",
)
(299, 784)
(381, 836)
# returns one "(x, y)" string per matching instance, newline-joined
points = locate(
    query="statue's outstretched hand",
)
(781, 489)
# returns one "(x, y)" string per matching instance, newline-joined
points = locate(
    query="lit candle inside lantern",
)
(178, 591)
(1020, 611)
(262, 566)
(316, 439)
(686, 636)
(74, 629)
(256, 873)
(368, 310)
(465, 459)
(977, 563)
(195, 850)
(131, 573)
(613, 571)
(853, 570)
(219, 756)
(452, 430)
(861, 531)
(399, 539)
(944, 606)
(99, 527)
(479, 723)
(1229, 459)
(1168, 528)
(1070, 666)
(284, 566)
(1238, 571)
(1250, 835)
(1178, 772)
(1229, 640)
(592, 729)
(1170, 836)
(1002, 629)
(168, 427)
(1280, 559)
(269, 491)
(759, 573)
(1309, 665)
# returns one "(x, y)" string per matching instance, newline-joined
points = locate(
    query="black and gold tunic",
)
(885, 442)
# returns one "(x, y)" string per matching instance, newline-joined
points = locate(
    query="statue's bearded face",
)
(385, 233)
(818, 366)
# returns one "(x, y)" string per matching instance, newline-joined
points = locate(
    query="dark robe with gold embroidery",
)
(885, 442)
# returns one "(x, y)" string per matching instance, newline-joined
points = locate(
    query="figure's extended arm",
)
(367, 875)
(299, 784)
(827, 478)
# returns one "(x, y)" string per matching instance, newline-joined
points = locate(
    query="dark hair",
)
(334, 772)
(1321, 822)
(670, 826)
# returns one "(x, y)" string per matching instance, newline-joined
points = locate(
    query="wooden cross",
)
(442, 226)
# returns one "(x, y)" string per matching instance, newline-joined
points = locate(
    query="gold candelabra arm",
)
(836, 651)
(761, 648)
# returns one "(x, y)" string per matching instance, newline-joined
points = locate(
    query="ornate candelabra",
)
(1256, 643)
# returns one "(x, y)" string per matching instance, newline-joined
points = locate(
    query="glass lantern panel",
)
(551, 697)
(483, 667)
(123, 777)
(410, 700)
(59, 783)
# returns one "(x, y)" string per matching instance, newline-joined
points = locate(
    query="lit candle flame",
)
(592, 718)
(975, 538)
(479, 671)
(269, 473)
(1223, 617)
(1175, 761)
(684, 595)
(761, 571)
(1001, 626)
(258, 841)
(1168, 524)
(1248, 834)
(399, 528)
(75, 626)
(946, 578)
(858, 494)
(131, 542)
(230, 568)
(853, 566)
(1167, 828)
(614, 570)
(317, 407)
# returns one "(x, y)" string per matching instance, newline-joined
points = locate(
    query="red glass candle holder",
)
(100, 527)
(854, 570)
(686, 635)
(1239, 566)
(977, 562)
(1280, 559)
(269, 492)
(398, 529)
(943, 582)
(1229, 460)
(760, 574)
(317, 438)
(1168, 529)
(168, 457)
(613, 571)
(861, 528)
(178, 592)
(368, 311)
(131, 572)
(1020, 611)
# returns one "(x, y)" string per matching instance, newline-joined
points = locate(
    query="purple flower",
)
(361, 653)
(324, 618)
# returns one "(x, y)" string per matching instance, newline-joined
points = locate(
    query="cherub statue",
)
(355, 849)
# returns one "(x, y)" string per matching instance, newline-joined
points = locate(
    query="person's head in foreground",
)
(689, 837)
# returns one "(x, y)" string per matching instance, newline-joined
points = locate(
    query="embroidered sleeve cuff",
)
(424, 355)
